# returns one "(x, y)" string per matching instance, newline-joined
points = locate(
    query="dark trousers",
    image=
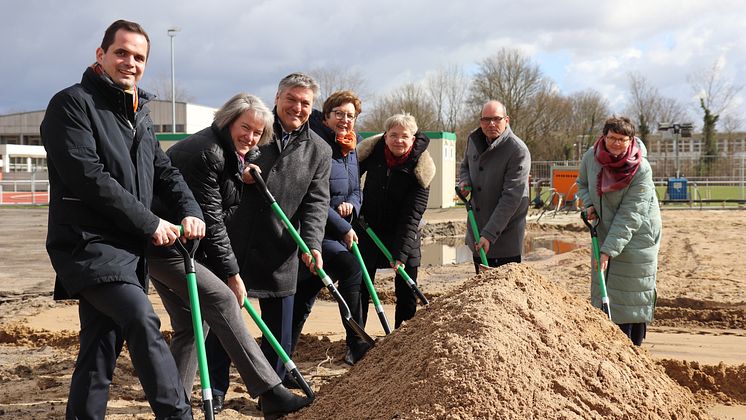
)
(277, 313)
(495, 262)
(111, 314)
(636, 332)
(342, 266)
(406, 301)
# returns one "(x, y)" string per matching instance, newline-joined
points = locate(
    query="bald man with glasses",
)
(495, 170)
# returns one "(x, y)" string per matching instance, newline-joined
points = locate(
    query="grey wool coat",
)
(498, 175)
(298, 178)
(629, 232)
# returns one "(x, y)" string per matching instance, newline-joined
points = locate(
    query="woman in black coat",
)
(336, 125)
(397, 185)
(212, 162)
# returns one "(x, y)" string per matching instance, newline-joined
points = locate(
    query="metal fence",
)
(714, 177)
(24, 192)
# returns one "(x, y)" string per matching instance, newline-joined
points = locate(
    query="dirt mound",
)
(21, 335)
(722, 383)
(680, 312)
(506, 344)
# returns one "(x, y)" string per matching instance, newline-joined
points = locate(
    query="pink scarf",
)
(616, 171)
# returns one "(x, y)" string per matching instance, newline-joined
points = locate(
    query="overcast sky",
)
(226, 47)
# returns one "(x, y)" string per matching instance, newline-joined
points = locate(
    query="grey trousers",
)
(220, 311)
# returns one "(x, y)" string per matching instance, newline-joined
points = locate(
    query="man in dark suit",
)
(105, 165)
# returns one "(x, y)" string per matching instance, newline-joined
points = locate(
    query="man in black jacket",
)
(105, 165)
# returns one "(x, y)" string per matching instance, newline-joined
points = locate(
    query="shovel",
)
(399, 269)
(289, 365)
(597, 255)
(199, 336)
(372, 290)
(473, 224)
(343, 308)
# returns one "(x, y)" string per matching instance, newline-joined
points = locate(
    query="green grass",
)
(716, 192)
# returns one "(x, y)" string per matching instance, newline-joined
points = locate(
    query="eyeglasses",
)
(340, 115)
(488, 120)
(618, 140)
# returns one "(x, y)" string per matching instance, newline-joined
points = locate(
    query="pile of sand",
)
(506, 344)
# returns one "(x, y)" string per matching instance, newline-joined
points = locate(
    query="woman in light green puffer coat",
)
(616, 185)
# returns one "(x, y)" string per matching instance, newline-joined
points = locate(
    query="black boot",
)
(356, 351)
(278, 402)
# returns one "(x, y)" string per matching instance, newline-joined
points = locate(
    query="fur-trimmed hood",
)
(424, 169)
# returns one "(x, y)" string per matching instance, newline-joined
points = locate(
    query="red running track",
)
(24, 198)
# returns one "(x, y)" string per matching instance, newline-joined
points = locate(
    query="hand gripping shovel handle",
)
(289, 365)
(199, 336)
(343, 308)
(390, 258)
(597, 255)
(473, 224)
(371, 290)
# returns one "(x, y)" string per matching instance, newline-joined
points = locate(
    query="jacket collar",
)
(114, 93)
(420, 163)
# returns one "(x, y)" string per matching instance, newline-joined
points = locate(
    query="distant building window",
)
(166, 128)
(33, 140)
(10, 139)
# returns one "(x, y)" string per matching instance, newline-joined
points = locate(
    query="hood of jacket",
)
(420, 160)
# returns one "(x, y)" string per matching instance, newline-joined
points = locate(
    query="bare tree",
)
(410, 98)
(334, 78)
(514, 80)
(731, 123)
(161, 87)
(671, 110)
(589, 111)
(716, 94)
(643, 104)
(647, 107)
(448, 88)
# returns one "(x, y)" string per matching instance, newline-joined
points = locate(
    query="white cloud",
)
(233, 45)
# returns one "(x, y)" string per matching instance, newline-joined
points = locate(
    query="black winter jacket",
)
(105, 166)
(394, 200)
(209, 164)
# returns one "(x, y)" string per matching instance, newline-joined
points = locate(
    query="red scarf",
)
(347, 142)
(100, 71)
(393, 161)
(616, 171)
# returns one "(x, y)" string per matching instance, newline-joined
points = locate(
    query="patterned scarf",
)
(347, 142)
(616, 171)
(393, 161)
(100, 71)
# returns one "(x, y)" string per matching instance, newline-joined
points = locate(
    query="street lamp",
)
(172, 33)
(678, 129)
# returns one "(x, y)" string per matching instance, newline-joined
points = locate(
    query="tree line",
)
(555, 126)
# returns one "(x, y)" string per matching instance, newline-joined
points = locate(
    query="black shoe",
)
(289, 382)
(356, 353)
(217, 403)
(348, 359)
(278, 402)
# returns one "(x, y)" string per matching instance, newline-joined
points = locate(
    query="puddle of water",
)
(453, 251)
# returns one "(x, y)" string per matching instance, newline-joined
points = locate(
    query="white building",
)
(20, 143)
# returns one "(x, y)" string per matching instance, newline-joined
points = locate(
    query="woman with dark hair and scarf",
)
(616, 185)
